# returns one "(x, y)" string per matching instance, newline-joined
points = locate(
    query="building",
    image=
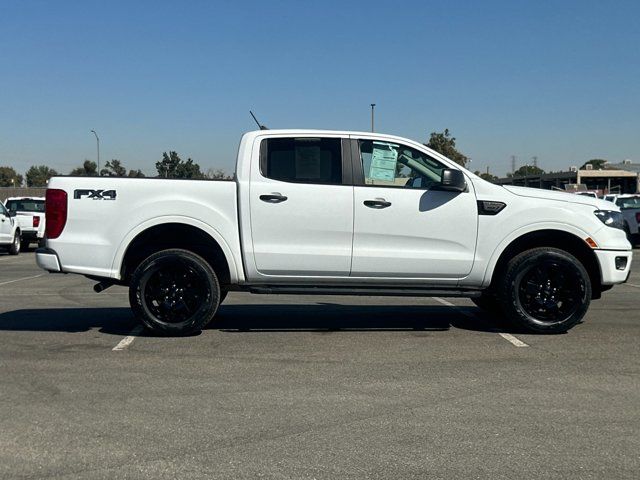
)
(619, 178)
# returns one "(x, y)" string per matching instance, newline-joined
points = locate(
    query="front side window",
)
(393, 165)
(302, 160)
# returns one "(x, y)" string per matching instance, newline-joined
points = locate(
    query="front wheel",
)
(545, 290)
(174, 292)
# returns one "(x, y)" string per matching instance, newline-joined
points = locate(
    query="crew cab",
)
(334, 212)
(29, 213)
(9, 232)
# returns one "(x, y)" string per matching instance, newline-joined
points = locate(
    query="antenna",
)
(261, 127)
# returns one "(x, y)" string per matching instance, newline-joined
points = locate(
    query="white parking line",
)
(507, 336)
(515, 341)
(128, 340)
(631, 285)
(449, 304)
(20, 279)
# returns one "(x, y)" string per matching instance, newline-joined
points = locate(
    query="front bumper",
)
(47, 259)
(608, 270)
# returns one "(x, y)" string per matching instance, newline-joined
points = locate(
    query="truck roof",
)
(24, 198)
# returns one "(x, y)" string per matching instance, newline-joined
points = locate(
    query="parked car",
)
(330, 212)
(29, 213)
(630, 207)
(588, 193)
(9, 232)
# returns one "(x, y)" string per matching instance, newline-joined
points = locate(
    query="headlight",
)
(610, 218)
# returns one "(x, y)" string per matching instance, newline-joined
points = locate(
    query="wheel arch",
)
(548, 237)
(182, 233)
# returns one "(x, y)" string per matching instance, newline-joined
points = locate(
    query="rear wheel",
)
(174, 292)
(545, 290)
(14, 249)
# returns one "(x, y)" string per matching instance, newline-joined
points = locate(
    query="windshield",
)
(632, 202)
(25, 206)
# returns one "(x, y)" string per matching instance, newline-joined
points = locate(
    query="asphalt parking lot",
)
(311, 387)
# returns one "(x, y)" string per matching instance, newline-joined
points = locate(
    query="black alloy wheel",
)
(174, 292)
(545, 290)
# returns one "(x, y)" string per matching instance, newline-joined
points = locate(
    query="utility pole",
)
(535, 161)
(513, 164)
(373, 105)
(98, 146)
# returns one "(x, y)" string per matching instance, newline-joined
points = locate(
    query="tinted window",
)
(393, 165)
(302, 160)
(629, 202)
(26, 205)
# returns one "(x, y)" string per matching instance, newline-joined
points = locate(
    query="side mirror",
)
(12, 213)
(452, 181)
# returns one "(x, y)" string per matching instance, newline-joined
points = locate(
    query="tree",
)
(136, 174)
(172, 166)
(445, 144)
(527, 170)
(9, 177)
(218, 174)
(114, 168)
(88, 169)
(38, 176)
(486, 176)
(189, 169)
(598, 164)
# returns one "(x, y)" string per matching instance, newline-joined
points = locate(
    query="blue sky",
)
(559, 80)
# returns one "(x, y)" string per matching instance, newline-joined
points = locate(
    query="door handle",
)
(377, 203)
(273, 198)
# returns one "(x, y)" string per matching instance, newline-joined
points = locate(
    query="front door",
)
(404, 227)
(6, 226)
(301, 208)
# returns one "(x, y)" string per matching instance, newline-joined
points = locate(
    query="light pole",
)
(373, 105)
(98, 146)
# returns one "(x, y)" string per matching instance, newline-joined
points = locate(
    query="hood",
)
(561, 197)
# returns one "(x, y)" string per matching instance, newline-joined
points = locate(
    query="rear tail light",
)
(36, 221)
(55, 212)
(638, 217)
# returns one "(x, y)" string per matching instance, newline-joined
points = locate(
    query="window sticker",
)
(383, 162)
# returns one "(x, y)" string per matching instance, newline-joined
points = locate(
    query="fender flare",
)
(116, 264)
(520, 232)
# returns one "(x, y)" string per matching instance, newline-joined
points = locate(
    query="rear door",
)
(404, 226)
(301, 206)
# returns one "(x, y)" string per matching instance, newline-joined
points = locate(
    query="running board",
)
(366, 291)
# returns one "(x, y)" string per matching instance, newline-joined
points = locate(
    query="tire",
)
(174, 292)
(489, 303)
(545, 290)
(14, 248)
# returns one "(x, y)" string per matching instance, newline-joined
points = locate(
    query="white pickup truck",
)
(332, 212)
(29, 213)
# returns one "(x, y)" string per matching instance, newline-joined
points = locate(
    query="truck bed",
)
(107, 221)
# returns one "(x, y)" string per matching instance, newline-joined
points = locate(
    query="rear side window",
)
(302, 160)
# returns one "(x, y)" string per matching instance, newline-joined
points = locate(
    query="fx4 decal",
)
(95, 194)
